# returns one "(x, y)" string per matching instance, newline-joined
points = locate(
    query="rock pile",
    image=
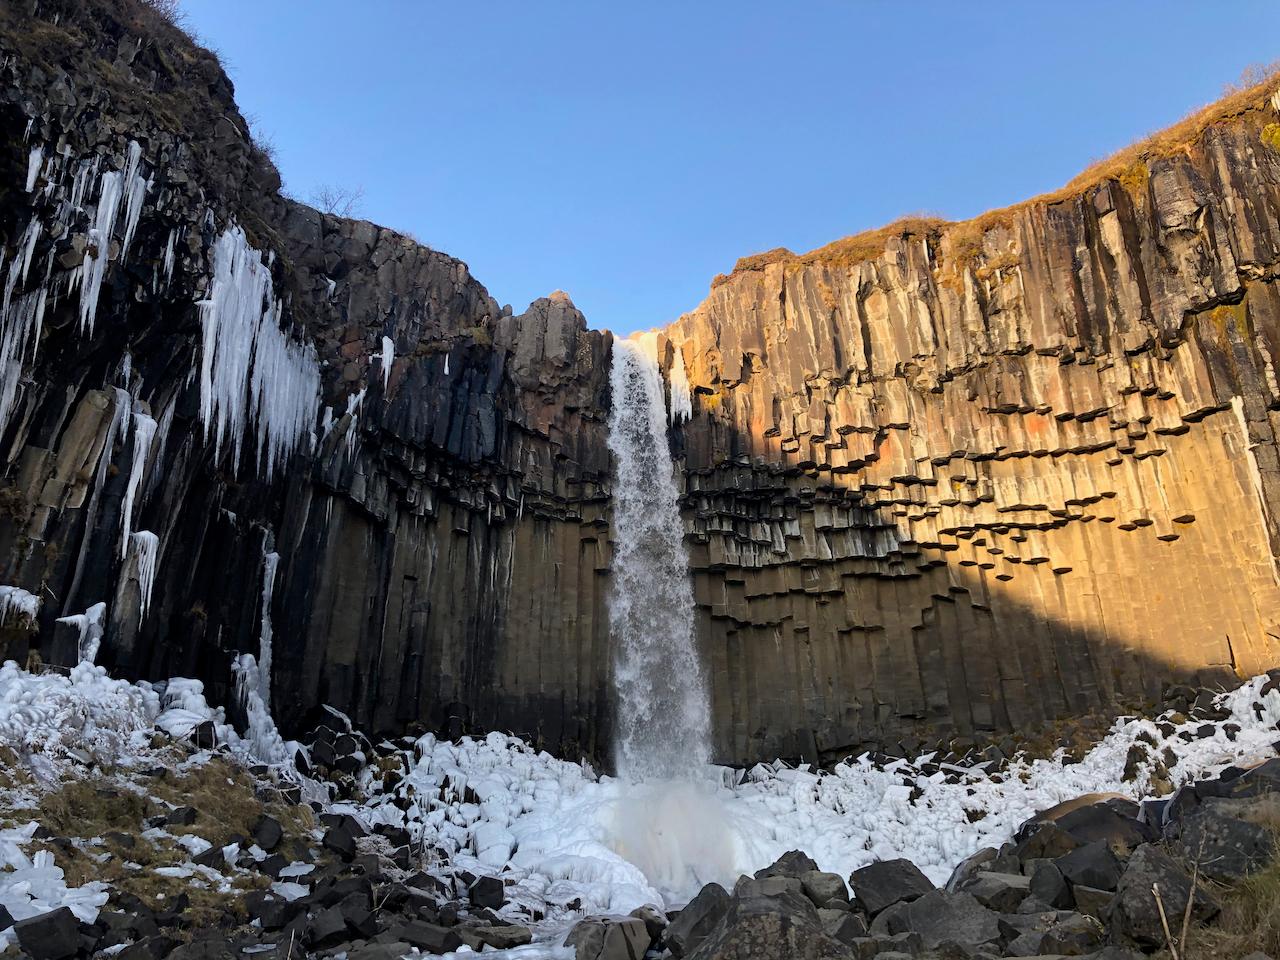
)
(1089, 878)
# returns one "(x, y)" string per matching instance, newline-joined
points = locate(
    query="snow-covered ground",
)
(573, 842)
(571, 838)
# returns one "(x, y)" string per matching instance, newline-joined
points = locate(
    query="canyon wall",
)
(951, 481)
(990, 474)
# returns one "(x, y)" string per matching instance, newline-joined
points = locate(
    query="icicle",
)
(135, 192)
(89, 624)
(155, 476)
(18, 604)
(446, 364)
(680, 405)
(243, 345)
(168, 255)
(34, 162)
(326, 422)
(270, 560)
(146, 545)
(144, 429)
(20, 322)
(388, 356)
(114, 186)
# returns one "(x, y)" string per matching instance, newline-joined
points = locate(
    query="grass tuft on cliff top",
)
(1129, 167)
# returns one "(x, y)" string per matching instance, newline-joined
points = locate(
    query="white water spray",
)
(664, 713)
(669, 821)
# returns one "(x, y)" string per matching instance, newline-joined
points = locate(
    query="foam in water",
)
(669, 821)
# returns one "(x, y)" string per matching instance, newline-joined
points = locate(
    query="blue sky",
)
(628, 152)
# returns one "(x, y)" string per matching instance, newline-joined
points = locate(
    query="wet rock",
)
(1133, 916)
(609, 938)
(49, 936)
(886, 882)
(699, 917)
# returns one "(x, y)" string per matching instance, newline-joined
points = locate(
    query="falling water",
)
(663, 709)
(668, 819)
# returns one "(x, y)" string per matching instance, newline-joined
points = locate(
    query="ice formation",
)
(34, 161)
(388, 357)
(270, 560)
(146, 545)
(144, 430)
(17, 604)
(90, 626)
(113, 187)
(252, 375)
(664, 710)
(681, 405)
(549, 827)
(21, 318)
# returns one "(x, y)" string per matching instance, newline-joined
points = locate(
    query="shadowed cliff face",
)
(974, 482)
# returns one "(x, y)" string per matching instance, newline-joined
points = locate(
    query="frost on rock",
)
(252, 375)
(145, 547)
(17, 605)
(144, 430)
(388, 357)
(47, 716)
(89, 624)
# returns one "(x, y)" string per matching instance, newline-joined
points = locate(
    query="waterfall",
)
(663, 709)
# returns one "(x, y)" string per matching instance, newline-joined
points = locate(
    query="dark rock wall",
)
(984, 479)
(444, 544)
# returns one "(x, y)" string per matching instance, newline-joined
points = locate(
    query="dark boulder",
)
(1093, 865)
(699, 917)
(886, 882)
(1134, 917)
(793, 863)
(49, 936)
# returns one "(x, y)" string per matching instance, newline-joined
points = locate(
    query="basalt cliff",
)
(940, 481)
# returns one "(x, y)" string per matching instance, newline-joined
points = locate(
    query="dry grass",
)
(1250, 918)
(1129, 167)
